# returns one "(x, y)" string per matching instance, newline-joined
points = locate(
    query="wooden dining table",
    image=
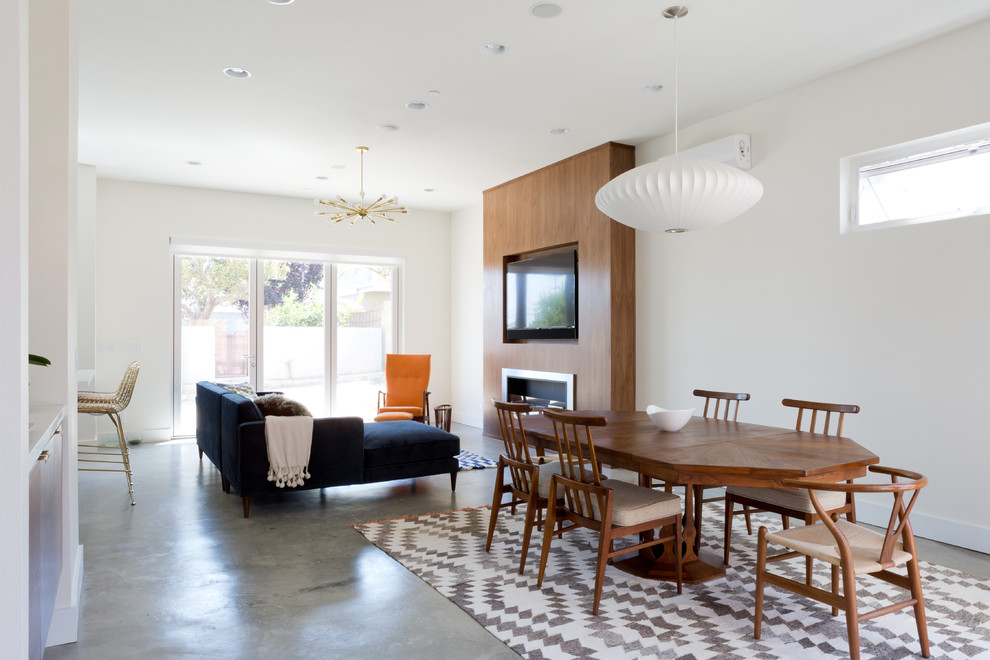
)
(709, 452)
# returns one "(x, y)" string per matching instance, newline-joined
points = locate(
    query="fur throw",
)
(278, 406)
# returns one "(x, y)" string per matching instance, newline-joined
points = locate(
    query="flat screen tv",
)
(541, 297)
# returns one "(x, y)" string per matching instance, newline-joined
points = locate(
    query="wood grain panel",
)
(551, 207)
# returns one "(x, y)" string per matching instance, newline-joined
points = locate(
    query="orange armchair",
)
(406, 380)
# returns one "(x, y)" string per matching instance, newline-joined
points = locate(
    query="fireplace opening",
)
(540, 389)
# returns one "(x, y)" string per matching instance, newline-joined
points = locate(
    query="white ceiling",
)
(326, 73)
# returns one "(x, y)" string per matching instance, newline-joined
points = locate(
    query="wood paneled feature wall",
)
(551, 207)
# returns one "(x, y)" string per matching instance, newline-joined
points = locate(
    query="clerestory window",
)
(937, 178)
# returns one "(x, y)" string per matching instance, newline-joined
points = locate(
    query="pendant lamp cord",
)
(677, 88)
(362, 161)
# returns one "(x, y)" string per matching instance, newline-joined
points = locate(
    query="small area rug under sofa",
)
(230, 431)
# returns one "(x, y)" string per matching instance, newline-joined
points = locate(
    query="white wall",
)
(134, 276)
(778, 304)
(14, 324)
(467, 349)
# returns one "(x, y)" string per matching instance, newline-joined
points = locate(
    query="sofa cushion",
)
(244, 389)
(387, 443)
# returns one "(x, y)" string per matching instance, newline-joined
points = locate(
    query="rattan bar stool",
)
(110, 404)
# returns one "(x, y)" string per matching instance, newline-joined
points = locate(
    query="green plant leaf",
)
(37, 359)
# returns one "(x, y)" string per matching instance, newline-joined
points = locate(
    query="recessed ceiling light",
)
(433, 92)
(193, 162)
(653, 89)
(234, 72)
(417, 105)
(281, 2)
(338, 167)
(545, 10)
(493, 48)
(429, 189)
(388, 128)
(322, 178)
(559, 131)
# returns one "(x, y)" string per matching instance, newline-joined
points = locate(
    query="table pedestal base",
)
(707, 567)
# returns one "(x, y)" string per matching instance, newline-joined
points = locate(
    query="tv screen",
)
(541, 297)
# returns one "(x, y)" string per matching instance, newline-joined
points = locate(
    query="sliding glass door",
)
(294, 333)
(264, 322)
(214, 332)
(364, 335)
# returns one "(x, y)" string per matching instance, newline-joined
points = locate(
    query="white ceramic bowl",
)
(669, 420)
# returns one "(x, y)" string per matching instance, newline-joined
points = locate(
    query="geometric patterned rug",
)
(470, 461)
(641, 618)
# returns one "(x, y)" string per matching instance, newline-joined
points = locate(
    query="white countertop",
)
(43, 421)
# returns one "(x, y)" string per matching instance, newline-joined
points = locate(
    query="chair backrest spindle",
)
(578, 462)
(828, 408)
(718, 398)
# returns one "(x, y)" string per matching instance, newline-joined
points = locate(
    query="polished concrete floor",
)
(183, 575)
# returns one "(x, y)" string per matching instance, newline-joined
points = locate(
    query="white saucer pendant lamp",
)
(678, 194)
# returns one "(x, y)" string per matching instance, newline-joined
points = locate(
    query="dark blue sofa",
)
(230, 431)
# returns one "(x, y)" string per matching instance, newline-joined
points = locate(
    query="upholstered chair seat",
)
(632, 504)
(796, 500)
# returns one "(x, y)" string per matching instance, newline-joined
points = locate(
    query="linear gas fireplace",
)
(540, 389)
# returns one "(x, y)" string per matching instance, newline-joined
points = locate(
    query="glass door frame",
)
(255, 254)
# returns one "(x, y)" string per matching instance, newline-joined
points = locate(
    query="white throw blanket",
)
(289, 441)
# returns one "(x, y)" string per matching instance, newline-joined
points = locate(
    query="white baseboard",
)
(468, 420)
(953, 532)
(64, 628)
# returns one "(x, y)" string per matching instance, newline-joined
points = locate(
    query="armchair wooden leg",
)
(914, 577)
(761, 567)
(835, 586)
(604, 546)
(496, 505)
(548, 534)
(453, 481)
(852, 614)
(531, 509)
(246, 503)
(727, 539)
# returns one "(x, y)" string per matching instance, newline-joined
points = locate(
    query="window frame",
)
(850, 167)
(255, 253)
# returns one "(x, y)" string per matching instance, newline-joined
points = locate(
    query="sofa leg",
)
(453, 481)
(246, 501)
(225, 484)
(200, 454)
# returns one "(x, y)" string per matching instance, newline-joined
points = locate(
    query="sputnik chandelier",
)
(343, 210)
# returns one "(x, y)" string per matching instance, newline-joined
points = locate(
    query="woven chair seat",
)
(798, 500)
(816, 541)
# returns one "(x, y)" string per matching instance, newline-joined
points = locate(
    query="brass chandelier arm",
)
(346, 211)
